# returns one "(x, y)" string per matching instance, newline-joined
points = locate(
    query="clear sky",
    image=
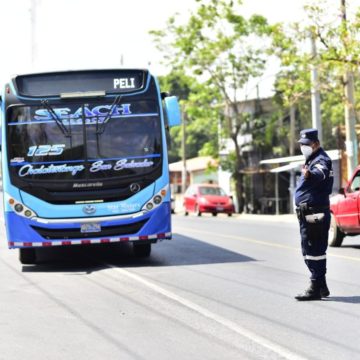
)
(78, 34)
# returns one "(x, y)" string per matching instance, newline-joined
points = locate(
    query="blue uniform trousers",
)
(314, 242)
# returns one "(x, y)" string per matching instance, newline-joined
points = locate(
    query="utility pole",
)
(315, 94)
(292, 130)
(350, 117)
(350, 120)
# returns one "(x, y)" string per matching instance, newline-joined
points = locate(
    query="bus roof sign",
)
(82, 94)
(115, 81)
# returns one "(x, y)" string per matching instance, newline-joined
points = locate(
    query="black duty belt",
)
(314, 208)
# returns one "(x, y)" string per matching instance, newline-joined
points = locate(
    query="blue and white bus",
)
(84, 160)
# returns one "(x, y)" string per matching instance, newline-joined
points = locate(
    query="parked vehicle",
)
(207, 198)
(345, 211)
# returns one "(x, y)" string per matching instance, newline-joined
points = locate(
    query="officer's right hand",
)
(305, 171)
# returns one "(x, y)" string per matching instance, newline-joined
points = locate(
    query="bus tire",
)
(214, 214)
(336, 236)
(142, 250)
(27, 256)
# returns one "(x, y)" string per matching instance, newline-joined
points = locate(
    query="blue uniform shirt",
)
(315, 190)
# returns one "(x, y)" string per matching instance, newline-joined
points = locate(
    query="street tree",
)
(201, 119)
(225, 51)
(338, 53)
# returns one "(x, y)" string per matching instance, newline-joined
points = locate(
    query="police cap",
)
(308, 136)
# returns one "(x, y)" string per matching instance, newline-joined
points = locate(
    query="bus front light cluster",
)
(149, 206)
(156, 200)
(21, 209)
(18, 208)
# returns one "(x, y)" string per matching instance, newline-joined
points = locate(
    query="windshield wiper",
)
(100, 129)
(59, 123)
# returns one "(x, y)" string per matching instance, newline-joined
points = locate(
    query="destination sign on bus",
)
(29, 169)
(54, 84)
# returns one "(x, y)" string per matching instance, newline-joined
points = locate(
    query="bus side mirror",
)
(342, 191)
(172, 109)
(164, 94)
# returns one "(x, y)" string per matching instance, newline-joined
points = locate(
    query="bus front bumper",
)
(144, 226)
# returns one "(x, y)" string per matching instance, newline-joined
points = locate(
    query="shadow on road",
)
(180, 251)
(345, 299)
(351, 246)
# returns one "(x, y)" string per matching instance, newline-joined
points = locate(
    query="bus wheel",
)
(336, 236)
(214, 214)
(142, 250)
(27, 256)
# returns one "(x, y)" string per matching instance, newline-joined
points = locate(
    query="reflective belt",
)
(309, 257)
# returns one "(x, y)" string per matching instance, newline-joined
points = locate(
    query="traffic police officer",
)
(312, 207)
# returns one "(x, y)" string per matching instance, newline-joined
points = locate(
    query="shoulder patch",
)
(320, 166)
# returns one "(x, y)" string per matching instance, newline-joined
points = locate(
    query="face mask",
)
(306, 150)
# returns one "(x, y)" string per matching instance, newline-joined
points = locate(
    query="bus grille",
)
(64, 234)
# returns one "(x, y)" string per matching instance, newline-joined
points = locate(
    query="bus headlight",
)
(27, 213)
(21, 209)
(157, 199)
(18, 208)
(149, 206)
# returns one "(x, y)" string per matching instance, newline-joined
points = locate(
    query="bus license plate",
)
(219, 208)
(90, 228)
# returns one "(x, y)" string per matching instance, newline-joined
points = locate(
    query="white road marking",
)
(278, 349)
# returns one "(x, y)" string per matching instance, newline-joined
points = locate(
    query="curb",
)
(288, 218)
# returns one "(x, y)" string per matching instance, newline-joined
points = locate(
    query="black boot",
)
(312, 293)
(324, 290)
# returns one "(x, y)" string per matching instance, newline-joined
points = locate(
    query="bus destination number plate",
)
(90, 228)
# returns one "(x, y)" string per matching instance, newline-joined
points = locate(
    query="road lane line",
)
(266, 243)
(258, 339)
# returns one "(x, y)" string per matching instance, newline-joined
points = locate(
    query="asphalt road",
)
(222, 289)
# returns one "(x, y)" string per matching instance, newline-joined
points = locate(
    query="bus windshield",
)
(80, 141)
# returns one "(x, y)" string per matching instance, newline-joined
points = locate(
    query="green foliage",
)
(338, 51)
(228, 163)
(293, 80)
(217, 46)
(200, 116)
(338, 36)
(217, 52)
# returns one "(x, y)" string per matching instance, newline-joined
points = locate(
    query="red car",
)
(207, 198)
(345, 211)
